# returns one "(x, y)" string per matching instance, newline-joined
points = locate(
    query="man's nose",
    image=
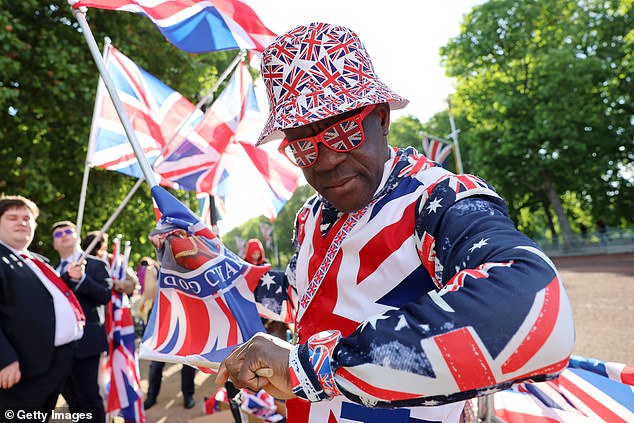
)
(328, 159)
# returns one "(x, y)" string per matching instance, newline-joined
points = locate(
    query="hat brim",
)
(288, 114)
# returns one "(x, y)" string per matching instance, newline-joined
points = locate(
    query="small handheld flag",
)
(205, 305)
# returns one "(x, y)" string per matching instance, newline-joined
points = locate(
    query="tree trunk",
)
(567, 235)
(549, 218)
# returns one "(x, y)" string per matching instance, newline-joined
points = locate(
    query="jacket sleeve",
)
(500, 315)
(7, 354)
(96, 283)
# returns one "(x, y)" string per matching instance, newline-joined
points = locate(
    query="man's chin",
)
(347, 204)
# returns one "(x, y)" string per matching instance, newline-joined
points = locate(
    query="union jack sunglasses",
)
(343, 136)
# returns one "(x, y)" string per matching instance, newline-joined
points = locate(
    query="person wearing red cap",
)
(415, 291)
(255, 252)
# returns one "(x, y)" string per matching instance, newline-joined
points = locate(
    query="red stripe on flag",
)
(465, 359)
(232, 335)
(384, 394)
(196, 333)
(376, 251)
(512, 416)
(596, 406)
(553, 368)
(163, 319)
(540, 332)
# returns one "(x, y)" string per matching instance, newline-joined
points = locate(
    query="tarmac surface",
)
(601, 292)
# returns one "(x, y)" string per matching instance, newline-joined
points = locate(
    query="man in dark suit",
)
(40, 317)
(81, 390)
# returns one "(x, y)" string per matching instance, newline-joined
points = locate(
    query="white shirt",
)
(67, 328)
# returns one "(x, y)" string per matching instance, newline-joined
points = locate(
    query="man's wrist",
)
(311, 374)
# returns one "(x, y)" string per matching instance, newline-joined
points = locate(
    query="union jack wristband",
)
(309, 364)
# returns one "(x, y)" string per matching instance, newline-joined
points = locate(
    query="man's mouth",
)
(341, 182)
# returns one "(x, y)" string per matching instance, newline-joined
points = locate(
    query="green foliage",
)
(546, 89)
(283, 228)
(543, 101)
(47, 92)
(406, 131)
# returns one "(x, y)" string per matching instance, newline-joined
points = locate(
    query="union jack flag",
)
(198, 26)
(588, 390)
(220, 157)
(267, 234)
(436, 150)
(125, 396)
(204, 305)
(118, 260)
(241, 246)
(261, 405)
(155, 110)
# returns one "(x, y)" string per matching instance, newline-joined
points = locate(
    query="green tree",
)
(540, 85)
(47, 92)
(406, 131)
(283, 227)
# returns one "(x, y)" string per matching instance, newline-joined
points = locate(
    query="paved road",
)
(601, 292)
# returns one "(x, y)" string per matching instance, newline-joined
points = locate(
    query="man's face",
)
(17, 227)
(64, 238)
(349, 179)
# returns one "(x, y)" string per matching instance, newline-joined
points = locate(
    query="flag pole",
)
(80, 16)
(91, 146)
(204, 100)
(111, 219)
(454, 136)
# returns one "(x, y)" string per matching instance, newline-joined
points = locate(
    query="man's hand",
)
(10, 375)
(76, 270)
(261, 351)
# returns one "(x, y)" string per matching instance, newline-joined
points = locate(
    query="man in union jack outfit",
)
(414, 289)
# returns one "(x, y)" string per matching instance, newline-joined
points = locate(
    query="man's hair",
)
(62, 224)
(17, 201)
(85, 243)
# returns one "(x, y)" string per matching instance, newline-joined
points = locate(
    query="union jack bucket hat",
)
(317, 71)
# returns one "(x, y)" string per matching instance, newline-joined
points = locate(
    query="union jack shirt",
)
(425, 298)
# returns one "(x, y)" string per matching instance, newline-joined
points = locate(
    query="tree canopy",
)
(546, 90)
(47, 94)
(543, 103)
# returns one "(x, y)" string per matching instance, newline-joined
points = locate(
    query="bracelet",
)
(309, 364)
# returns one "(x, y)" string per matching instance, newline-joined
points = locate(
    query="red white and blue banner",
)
(233, 169)
(155, 110)
(198, 26)
(205, 304)
(436, 150)
(587, 391)
(125, 395)
(213, 154)
(267, 234)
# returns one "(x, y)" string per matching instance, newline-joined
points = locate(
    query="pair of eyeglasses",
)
(343, 136)
(59, 234)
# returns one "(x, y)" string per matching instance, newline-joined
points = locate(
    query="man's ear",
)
(383, 110)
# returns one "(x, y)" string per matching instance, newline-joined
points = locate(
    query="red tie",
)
(61, 285)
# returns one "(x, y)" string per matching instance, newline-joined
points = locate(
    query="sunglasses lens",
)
(60, 234)
(302, 153)
(344, 136)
